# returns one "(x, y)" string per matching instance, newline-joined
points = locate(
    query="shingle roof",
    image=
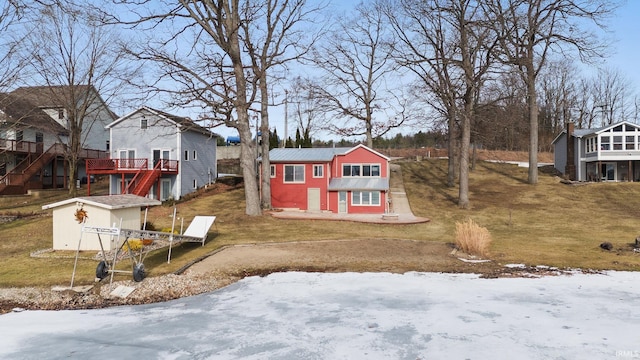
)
(364, 183)
(17, 110)
(305, 154)
(57, 96)
(184, 122)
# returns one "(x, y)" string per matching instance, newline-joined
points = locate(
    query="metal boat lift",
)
(196, 232)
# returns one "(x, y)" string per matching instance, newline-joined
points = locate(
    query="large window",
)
(358, 170)
(365, 198)
(294, 173)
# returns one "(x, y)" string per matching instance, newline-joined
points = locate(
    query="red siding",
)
(294, 195)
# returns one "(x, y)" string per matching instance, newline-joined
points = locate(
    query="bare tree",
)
(447, 45)
(357, 69)
(219, 53)
(305, 106)
(79, 63)
(531, 29)
(272, 37)
(612, 94)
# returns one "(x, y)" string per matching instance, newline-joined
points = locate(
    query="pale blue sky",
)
(624, 55)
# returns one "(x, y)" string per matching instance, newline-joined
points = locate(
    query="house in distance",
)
(609, 153)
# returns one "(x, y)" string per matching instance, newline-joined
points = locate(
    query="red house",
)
(340, 180)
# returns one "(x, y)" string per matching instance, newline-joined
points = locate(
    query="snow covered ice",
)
(352, 316)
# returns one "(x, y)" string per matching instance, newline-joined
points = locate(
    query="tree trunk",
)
(463, 193)
(247, 147)
(533, 126)
(451, 169)
(264, 129)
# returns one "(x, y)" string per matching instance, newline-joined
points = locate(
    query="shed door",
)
(313, 199)
(342, 202)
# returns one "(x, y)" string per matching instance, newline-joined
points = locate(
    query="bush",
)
(472, 238)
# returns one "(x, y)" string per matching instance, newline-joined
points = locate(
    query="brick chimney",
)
(570, 166)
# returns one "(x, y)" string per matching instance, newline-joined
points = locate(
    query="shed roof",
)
(369, 184)
(109, 202)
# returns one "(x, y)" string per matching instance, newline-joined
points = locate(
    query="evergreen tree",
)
(289, 143)
(274, 142)
(298, 138)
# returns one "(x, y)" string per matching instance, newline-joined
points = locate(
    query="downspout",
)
(178, 157)
(579, 171)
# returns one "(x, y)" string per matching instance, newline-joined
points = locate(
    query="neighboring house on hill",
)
(609, 153)
(32, 143)
(340, 180)
(57, 102)
(157, 154)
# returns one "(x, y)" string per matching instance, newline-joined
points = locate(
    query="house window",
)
(294, 173)
(351, 170)
(19, 135)
(617, 142)
(195, 183)
(195, 155)
(186, 155)
(143, 123)
(273, 171)
(318, 171)
(630, 143)
(365, 198)
(605, 143)
(60, 114)
(108, 145)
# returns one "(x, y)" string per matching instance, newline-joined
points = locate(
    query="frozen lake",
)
(352, 316)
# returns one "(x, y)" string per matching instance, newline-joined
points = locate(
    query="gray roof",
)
(305, 154)
(109, 202)
(359, 183)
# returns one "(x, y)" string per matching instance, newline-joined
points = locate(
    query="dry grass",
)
(472, 238)
(547, 224)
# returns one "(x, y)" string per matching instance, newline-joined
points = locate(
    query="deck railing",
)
(97, 166)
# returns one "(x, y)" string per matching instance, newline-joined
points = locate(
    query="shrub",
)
(472, 238)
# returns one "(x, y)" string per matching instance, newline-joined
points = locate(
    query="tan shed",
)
(102, 211)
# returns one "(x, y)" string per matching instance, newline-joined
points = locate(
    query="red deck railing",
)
(110, 166)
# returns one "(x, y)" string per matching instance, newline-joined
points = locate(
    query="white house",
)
(157, 154)
(34, 131)
(102, 211)
(609, 153)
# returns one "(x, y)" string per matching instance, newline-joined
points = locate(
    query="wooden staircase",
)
(18, 180)
(146, 180)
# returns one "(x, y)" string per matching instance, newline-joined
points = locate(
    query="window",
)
(186, 155)
(591, 145)
(605, 143)
(60, 114)
(365, 198)
(630, 143)
(617, 142)
(318, 171)
(350, 170)
(108, 145)
(294, 173)
(143, 123)
(273, 171)
(195, 155)
(195, 183)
